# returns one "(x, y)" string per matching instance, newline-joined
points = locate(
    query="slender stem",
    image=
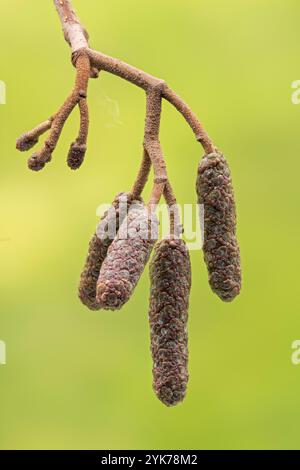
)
(80, 91)
(145, 81)
(74, 33)
(40, 158)
(170, 198)
(89, 63)
(191, 119)
(30, 138)
(151, 139)
(152, 145)
(84, 122)
(156, 193)
(142, 176)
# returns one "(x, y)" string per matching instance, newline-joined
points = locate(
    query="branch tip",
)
(76, 155)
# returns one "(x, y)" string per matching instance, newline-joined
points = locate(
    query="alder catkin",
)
(221, 250)
(170, 275)
(99, 244)
(127, 257)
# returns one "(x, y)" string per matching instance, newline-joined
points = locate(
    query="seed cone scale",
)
(170, 276)
(126, 258)
(221, 250)
(98, 247)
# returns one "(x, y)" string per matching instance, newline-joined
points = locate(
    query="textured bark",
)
(98, 248)
(146, 81)
(77, 37)
(31, 138)
(74, 33)
(170, 274)
(221, 251)
(78, 97)
(126, 258)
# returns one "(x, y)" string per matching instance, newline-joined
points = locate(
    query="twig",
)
(152, 145)
(170, 198)
(56, 124)
(75, 34)
(142, 176)
(77, 38)
(146, 81)
(78, 148)
(31, 138)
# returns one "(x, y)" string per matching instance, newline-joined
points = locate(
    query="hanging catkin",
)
(221, 251)
(170, 275)
(99, 244)
(127, 257)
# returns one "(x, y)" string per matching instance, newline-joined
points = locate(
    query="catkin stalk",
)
(126, 258)
(98, 247)
(170, 275)
(221, 250)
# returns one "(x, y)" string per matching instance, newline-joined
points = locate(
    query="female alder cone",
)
(127, 257)
(170, 274)
(221, 251)
(99, 244)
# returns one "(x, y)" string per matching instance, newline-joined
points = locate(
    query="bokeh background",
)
(79, 379)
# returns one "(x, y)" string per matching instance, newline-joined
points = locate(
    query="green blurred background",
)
(80, 379)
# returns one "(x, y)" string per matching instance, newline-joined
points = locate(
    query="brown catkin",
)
(221, 250)
(170, 275)
(127, 257)
(98, 247)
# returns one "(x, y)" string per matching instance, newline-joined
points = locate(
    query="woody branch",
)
(89, 63)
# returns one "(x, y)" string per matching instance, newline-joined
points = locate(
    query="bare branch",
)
(78, 148)
(31, 138)
(77, 37)
(89, 63)
(170, 198)
(74, 33)
(142, 176)
(56, 123)
(145, 81)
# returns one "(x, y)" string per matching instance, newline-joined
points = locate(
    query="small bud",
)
(221, 251)
(25, 142)
(76, 155)
(39, 159)
(126, 258)
(94, 73)
(170, 276)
